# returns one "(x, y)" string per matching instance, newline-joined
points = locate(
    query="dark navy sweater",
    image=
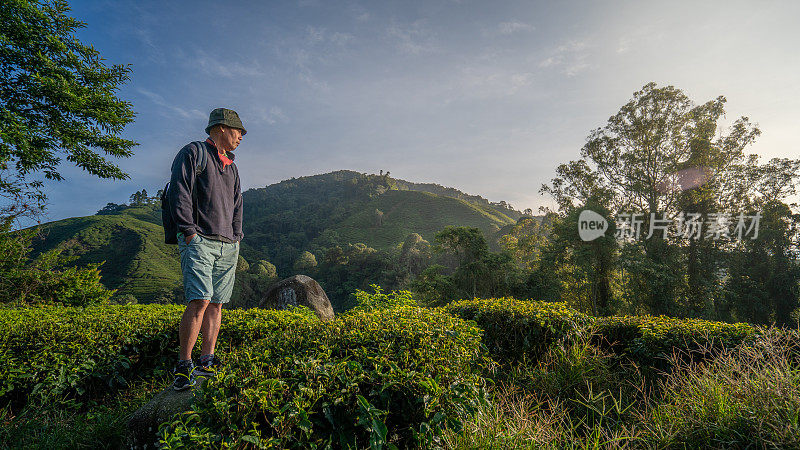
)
(218, 212)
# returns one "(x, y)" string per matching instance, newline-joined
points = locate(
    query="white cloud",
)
(167, 108)
(272, 116)
(577, 66)
(571, 47)
(359, 13)
(413, 39)
(321, 36)
(225, 69)
(513, 27)
(312, 81)
(570, 57)
(624, 45)
(551, 61)
(340, 38)
(314, 35)
(483, 82)
(520, 80)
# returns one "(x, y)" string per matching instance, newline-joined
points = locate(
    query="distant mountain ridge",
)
(433, 188)
(281, 221)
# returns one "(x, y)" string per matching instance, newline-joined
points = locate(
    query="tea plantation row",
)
(386, 374)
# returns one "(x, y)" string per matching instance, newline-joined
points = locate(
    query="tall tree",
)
(639, 161)
(658, 156)
(477, 272)
(524, 241)
(57, 98)
(582, 273)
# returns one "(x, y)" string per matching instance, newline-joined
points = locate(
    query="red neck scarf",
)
(222, 155)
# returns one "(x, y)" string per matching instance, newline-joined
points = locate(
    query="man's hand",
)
(189, 238)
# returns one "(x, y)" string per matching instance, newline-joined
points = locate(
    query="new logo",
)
(591, 225)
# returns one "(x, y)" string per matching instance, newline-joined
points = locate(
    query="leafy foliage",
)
(474, 270)
(387, 378)
(326, 213)
(516, 329)
(50, 353)
(355, 266)
(376, 300)
(748, 397)
(319, 212)
(394, 375)
(651, 340)
(56, 95)
(45, 279)
(137, 260)
(661, 155)
(306, 262)
(54, 353)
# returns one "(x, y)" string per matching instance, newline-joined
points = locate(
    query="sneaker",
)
(207, 366)
(184, 376)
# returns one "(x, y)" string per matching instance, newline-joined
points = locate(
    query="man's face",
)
(230, 138)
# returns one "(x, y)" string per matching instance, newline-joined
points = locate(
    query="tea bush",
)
(650, 340)
(52, 353)
(366, 301)
(514, 329)
(390, 373)
(392, 377)
(47, 278)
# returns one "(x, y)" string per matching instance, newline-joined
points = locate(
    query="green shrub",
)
(243, 326)
(517, 329)
(98, 424)
(54, 352)
(391, 377)
(650, 340)
(366, 301)
(51, 353)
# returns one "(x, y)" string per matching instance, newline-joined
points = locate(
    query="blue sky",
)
(486, 97)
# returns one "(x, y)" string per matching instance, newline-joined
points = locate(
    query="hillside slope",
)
(406, 212)
(137, 262)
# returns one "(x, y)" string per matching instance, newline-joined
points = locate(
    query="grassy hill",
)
(406, 212)
(281, 221)
(310, 213)
(137, 262)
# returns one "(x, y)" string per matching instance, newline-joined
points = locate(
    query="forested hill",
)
(282, 222)
(345, 207)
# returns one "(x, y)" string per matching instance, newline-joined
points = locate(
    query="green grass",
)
(98, 424)
(580, 396)
(749, 396)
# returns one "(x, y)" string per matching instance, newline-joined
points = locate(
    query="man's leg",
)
(191, 323)
(223, 274)
(196, 264)
(210, 329)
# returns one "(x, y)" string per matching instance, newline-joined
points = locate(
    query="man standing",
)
(206, 204)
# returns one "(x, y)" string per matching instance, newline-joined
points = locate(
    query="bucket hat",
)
(226, 117)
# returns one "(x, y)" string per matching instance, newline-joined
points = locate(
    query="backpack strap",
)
(202, 158)
(202, 161)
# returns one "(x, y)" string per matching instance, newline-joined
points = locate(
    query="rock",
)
(143, 424)
(298, 290)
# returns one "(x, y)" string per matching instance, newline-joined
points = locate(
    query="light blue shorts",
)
(209, 268)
